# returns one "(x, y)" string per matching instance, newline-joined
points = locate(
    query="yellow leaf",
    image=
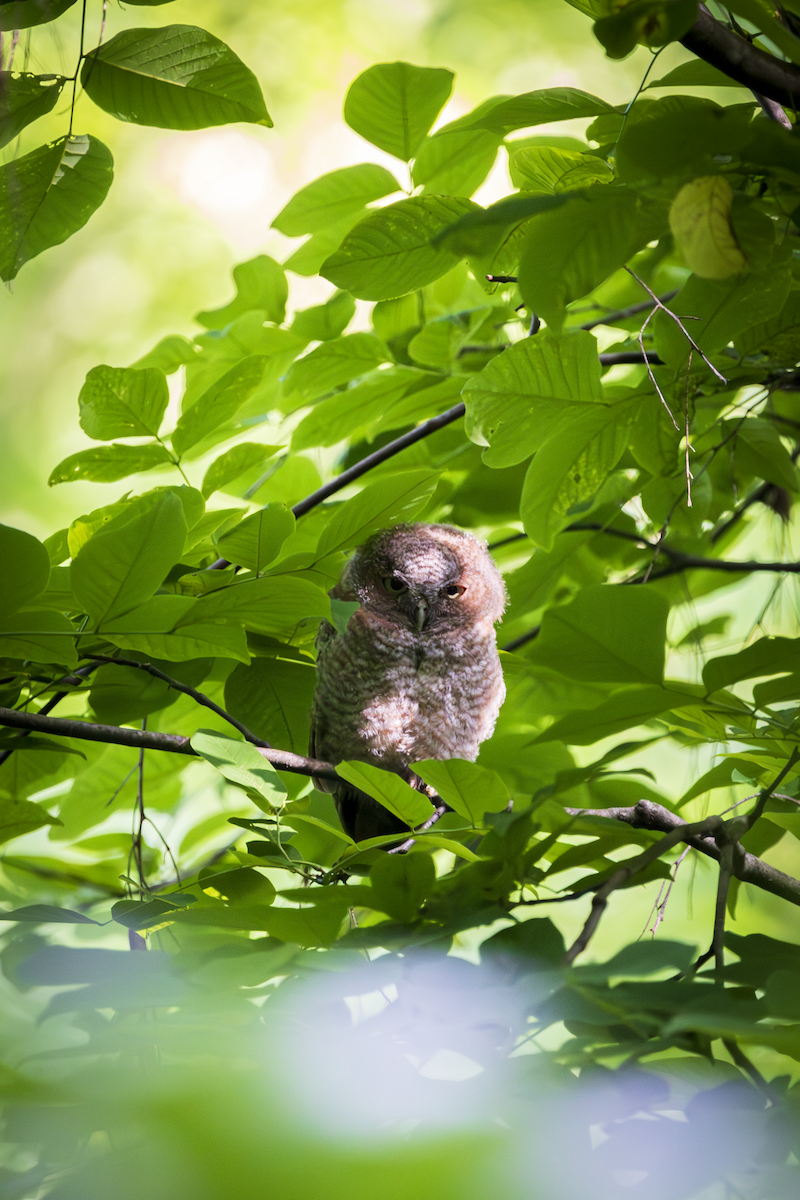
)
(700, 223)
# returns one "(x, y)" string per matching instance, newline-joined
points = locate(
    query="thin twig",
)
(437, 813)
(678, 322)
(198, 697)
(622, 314)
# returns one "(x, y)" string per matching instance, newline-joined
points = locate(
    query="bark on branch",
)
(746, 867)
(739, 59)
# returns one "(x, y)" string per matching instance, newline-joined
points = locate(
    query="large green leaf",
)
(273, 698)
(455, 162)
(104, 464)
(154, 629)
(393, 105)
(389, 253)
(401, 883)
(238, 461)
(608, 634)
(523, 395)
(257, 540)
(570, 250)
(556, 169)
(626, 709)
(38, 635)
(129, 557)
(570, 469)
(718, 310)
(274, 604)
(538, 108)
(468, 788)
(384, 503)
(350, 412)
(24, 568)
(241, 763)
(331, 364)
(22, 14)
(389, 790)
(334, 197)
(48, 195)
(767, 656)
(122, 402)
(260, 285)
(323, 322)
(218, 403)
(760, 451)
(176, 77)
(25, 97)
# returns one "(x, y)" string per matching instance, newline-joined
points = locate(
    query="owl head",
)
(425, 577)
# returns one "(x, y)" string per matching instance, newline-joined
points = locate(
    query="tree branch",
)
(198, 697)
(626, 872)
(366, 464)
(742, 61)
(746, 867)
(117, 735)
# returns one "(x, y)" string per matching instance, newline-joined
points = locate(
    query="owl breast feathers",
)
(416, 673)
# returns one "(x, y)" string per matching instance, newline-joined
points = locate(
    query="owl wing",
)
(316, 736)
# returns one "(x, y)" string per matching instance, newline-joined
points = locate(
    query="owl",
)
(416, 673)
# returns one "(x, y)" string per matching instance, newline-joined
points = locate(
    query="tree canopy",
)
(209, 987)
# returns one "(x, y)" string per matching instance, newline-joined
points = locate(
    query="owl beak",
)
(422, 613)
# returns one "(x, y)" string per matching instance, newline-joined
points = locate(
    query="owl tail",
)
(362, 817)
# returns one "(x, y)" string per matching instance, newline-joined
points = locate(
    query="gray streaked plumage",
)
(416, 673)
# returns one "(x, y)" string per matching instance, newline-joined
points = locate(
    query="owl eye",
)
(393, 583)
(454, 590)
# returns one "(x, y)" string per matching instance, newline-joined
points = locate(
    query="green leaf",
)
(22, 14)
(331, 364)
(381, 504)
(24, 568)
(694, 73)
(218, 403)
(571, 250)
(46, 914)
(274, 604)
(169, 354)
(122, 402)
(482, 231)
(257, 540)
(720, 309)
(455, 162)
(539, 108)
(260, 284)
(767, 656)
(242, 764)
(38, 635)
(25, 97)
(272, 697)
(139, 631)
(389, 253)
(645, 23)
(334, 197)
(469, 789)
(237, 461)
(389, 790)
(525, 394)
(608, 634)
(570, 469)
(402, 883)
(129, 557)
(393, 105)
(175, 77)
(356, 409)
(638, 959)
(760, 451)
(104, 464)
(553, 169)
(48, 195)
(323, 322)
(680, 137)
